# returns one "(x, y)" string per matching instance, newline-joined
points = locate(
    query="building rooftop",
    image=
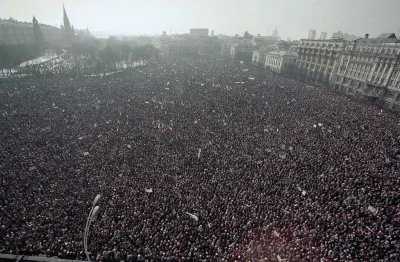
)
(333, 39)
(283, 53)
(387, 35)
(376, 41)
(173, 42)
(291, 54)
(14, 23)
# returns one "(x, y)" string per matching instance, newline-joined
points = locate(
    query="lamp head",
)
(96, 199)
(95, 210)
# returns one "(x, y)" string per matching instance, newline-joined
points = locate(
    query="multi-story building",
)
(208, 45)
(13, 32)
(323, 36)
(247, 35)
(259, 56)
(275, 33)
(345, 36)
(280, 61)
(370, 67)
(169, 46)
(229, 43)
(242, 52)
(318, 60)
(202, 32)
(258, 41)
(226, 49)
(311, 34)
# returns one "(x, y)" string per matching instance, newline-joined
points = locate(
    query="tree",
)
(109, 57)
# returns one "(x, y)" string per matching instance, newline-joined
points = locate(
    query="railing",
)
(21, 258)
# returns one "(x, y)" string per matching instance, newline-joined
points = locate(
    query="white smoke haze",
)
(293, 18)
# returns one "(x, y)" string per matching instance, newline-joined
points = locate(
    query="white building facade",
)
(318, 60)
(280, 61)
(371, 68)
(259, 57)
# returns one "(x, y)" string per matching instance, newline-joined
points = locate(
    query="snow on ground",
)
(38, 60)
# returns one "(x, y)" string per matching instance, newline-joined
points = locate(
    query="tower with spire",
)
(67, 24)
(67, 29)
(275, 33)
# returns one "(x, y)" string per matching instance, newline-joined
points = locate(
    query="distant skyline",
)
(293, 18)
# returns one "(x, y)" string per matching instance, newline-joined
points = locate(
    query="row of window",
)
(321, 44)
(392, 95)
(371, 60)
(316, 51)
(356, 68)
(322, 69)
(394, 84)
(375, 50)
(358, 74)
(315, 56)
(290, 60)
(319, 62)
(270, 61)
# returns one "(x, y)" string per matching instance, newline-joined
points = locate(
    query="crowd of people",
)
(196, 159)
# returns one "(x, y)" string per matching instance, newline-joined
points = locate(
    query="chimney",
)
(366, 36)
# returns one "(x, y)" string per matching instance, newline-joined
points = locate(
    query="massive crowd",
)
(243, 165)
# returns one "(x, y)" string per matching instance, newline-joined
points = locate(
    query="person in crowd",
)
(196, 159)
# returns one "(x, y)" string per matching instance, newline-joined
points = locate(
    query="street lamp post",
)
(92, 214)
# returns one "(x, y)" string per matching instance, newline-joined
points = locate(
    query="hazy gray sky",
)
(294, 18)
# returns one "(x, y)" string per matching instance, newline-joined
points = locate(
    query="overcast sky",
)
(294, 18)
